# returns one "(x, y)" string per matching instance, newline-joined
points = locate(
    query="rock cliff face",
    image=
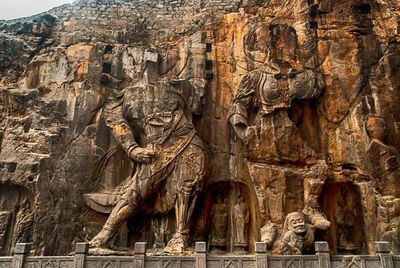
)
(295, 104)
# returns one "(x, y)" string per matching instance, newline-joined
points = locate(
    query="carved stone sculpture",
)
(159, 227)
(219, 214)
(268, 233)
(384, 158)
(278, 91)
(271, 90)
(297, 234)
(344, 217)
(5, 218)
(259, 115)
(150, 123)
(240, 220)
(388, 218)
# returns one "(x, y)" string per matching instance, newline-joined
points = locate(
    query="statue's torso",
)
(157, 126)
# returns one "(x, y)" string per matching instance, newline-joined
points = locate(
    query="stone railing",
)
(201, 259)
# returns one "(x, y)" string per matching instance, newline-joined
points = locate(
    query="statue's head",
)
(171, 100)
(150, 68)
(278, 42)
(376, 127)
(240, 198)
(283, 41)
(295, 222)
(219, 198)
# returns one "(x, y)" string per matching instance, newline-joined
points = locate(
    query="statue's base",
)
(240, 248)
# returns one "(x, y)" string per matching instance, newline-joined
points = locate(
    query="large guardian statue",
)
(262, 116)
(151, 121)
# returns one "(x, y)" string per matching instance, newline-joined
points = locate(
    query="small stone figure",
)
(219, 214)
(344, 217)
(297, 234)
(241, 220)
(5, 219)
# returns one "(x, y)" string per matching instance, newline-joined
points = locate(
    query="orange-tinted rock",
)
(292, 147)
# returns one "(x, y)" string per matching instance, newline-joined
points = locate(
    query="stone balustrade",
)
(201, 259)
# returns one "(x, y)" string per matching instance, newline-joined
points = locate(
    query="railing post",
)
(20, 252)
(81, 250)
(201, 254)
(261, 255)
(382, 249)
(322, 251)
(140, 254)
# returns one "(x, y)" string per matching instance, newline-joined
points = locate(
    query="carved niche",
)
(341, 202)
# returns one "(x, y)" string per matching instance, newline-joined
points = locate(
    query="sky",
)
(12, 9)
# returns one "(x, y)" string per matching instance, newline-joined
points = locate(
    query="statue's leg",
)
(185, 205)
(239, 232)
(242, 230)
(188, 173)
(119, 215)
(313, 184)
(312, 191)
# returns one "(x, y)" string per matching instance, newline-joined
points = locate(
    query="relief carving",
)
(269, 233)
(16, 216)
(102, 123)
(240, 220)
(5, 219)
(151, 122)
(297, 234)
(264, 114)
(388, 218)
(270, 90)
(384, 158)
(344, 217)
(219, 214)
(342, 202)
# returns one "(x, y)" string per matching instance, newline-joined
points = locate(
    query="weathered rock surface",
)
(329, 148)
